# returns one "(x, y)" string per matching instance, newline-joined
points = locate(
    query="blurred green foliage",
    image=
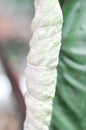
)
(24, 7)
(69, 111)
(61, 2)
(17, 50)
(25, 3)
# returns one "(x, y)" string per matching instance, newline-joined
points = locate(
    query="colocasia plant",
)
(41, 72)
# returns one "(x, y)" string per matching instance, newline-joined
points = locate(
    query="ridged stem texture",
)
(41, 72)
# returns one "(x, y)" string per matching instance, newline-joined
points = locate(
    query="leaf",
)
(69, 108)
(61, 2)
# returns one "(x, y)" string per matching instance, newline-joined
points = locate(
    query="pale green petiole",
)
(42, 61)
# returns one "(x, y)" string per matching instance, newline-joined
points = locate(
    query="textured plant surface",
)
(42, 60)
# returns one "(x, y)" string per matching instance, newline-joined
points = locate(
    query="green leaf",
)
(61, 2)
(69, 108)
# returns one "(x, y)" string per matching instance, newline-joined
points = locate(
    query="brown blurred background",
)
(15, 33)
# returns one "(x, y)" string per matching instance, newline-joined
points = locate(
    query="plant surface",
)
(70, 99)
(41, 72)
